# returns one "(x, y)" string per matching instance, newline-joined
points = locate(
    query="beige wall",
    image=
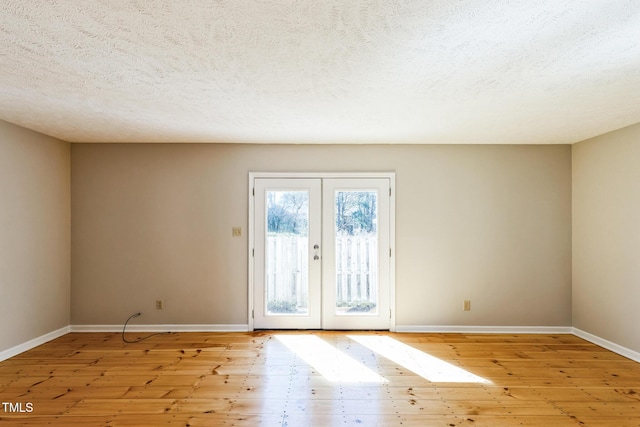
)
(34, 235)
(606, 236)
(486, 223)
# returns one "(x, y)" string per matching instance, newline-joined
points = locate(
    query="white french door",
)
(286, 265)
(321, 253)
(355, 267)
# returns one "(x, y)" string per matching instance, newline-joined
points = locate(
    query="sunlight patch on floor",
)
(330, 362)
(428, 367)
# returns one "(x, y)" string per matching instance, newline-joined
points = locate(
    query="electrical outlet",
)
(159, 304)
(467, 305)
(236, 231)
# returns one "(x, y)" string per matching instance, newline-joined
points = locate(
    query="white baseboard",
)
(161, 328)
(486, 329)
(21, 348)
(623, 351)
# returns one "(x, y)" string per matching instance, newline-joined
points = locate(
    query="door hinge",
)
(389, 252)
(389, 313)
(253, 253)
(252, 314)
(254, 191)
(389, 191)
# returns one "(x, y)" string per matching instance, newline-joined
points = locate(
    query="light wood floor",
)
(249, 379)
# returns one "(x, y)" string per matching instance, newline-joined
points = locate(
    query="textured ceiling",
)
(320, 71)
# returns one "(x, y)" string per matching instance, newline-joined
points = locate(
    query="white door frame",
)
(392, 230)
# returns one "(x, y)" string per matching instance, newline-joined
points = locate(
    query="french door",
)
(321, 253)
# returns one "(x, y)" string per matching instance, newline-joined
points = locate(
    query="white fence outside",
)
(287, 267)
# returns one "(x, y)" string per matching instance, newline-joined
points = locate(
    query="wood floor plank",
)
(249, 379)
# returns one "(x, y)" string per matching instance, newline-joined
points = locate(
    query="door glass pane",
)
(356, 252)
(287, 253)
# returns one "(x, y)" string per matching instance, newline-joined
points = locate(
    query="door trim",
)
(320, 175)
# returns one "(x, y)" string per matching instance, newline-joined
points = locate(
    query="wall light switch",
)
(467, 305)
(236, 231)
